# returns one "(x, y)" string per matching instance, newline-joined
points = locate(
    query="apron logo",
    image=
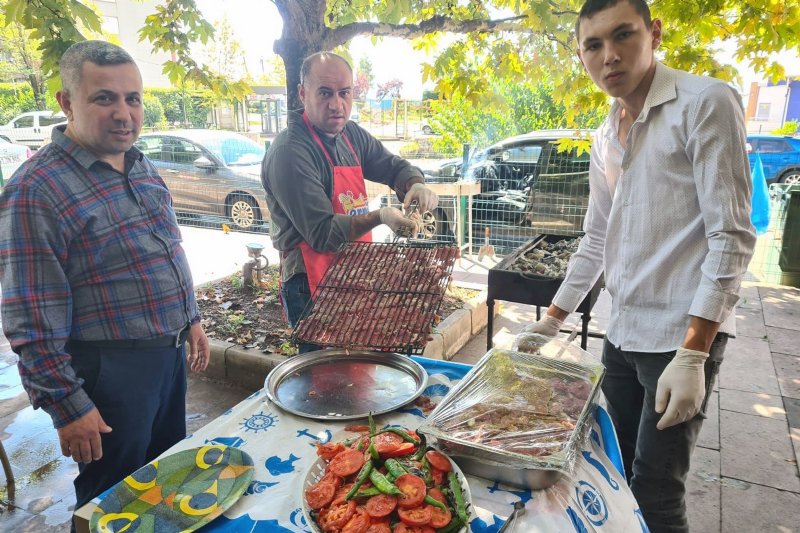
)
(353, 206)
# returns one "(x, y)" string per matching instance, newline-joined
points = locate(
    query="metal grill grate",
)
(379, 296)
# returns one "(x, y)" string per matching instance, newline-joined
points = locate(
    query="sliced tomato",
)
(346, 463)
(336, 516)
(320, 494)
(387, 442)
(379, 527)
(439, 460)
(437, 495)
(330, 477)
(359, 523)
(403, 449)
(437, 476)
(418, 516)
(381, 505)
(405, 528)
(413, 489)
(439, 517)
(329, 450)
(338, 498)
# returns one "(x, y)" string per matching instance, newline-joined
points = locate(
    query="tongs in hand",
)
(407, 235)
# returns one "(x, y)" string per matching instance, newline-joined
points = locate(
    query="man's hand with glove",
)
(426, 199)
(548, 325)
(681, 388)
(393, 217)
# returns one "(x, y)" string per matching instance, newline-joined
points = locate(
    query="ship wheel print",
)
(592, 503)
(259, 422)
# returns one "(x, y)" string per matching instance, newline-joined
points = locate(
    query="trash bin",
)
(789, 260)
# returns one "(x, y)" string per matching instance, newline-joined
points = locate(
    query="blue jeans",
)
(296, 296)
(141, 395)
(656, 461)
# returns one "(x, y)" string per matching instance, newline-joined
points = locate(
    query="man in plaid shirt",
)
(98, 298)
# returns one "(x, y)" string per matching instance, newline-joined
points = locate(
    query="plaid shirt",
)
(86, 253)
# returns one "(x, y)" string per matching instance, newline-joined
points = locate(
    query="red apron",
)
(349, 198)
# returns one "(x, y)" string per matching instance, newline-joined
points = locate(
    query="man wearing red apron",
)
(314, 176)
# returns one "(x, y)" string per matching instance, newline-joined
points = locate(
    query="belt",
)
(169, 341)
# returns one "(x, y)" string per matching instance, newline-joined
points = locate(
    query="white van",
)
(32, 129)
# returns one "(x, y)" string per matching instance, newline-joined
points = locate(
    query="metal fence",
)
(765, 264)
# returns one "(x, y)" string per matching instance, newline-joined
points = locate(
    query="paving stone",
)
(749, 403)
(46, 489)
(787, 368)
(757, 450)
(781, 307)
(709, 434)
(703, 491)
(753, 508)
(748, 366)
(249, 368)
(13, 518)
(206, 399)
(435, 347)
(750, 323)
(792, 406)
(749, 297)
(783, 340)
(216, 362)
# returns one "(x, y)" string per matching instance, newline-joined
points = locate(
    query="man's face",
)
(105, 111)
(327, 95)
(617, 50)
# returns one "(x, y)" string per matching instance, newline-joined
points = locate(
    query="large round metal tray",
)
(344, 385)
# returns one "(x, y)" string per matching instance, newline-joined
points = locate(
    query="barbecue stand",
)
(531, 289)
(379, 296)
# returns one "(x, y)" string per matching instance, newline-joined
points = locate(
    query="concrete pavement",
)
(745, 471)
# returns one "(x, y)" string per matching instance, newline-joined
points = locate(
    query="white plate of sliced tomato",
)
(384, 481)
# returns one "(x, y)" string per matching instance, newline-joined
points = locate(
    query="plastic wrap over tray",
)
(519, 410)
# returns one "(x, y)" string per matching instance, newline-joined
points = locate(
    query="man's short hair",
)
(591, 7)
(100, 53)
(313, 59)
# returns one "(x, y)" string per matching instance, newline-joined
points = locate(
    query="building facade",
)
(771, 105)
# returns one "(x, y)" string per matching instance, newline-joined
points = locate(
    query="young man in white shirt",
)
(669, 223)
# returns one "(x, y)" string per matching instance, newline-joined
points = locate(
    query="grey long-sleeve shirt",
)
(299, 183)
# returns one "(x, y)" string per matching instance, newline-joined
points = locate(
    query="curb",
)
(250, 367)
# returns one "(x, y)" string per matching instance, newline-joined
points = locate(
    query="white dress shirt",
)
(669, 216)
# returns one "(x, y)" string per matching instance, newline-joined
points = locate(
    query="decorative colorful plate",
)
(180, 492)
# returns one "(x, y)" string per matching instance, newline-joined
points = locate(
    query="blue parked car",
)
(780, 157)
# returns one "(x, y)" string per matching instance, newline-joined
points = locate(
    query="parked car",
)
(33, 128)
(780, 157)
(211, 173)
(11, 157)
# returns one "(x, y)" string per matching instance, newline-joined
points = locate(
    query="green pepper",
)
(455, 487)
(421, 453)
(373, 451)
(362, 476)
(426, 471)
(402, 434)
(436, 503)
(394, 468)
(382, 484)
(367, 493)
(373, 429)
(454, 525)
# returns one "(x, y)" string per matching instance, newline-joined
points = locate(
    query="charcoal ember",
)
(547, 259)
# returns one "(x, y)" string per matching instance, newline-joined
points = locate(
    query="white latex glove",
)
(548, 325)
(681, 388)
(426, 199)
(393, 217)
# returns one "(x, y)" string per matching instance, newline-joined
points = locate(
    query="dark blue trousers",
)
(141, 394)
(656, 461)
(296, 295)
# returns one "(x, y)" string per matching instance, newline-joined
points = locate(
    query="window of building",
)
(763, 111)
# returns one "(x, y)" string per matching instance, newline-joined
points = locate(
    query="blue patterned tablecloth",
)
(282, 445)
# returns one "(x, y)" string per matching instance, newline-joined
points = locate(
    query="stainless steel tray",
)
(345, 385)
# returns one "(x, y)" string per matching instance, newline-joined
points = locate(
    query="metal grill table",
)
(379, 296)
(513, 286)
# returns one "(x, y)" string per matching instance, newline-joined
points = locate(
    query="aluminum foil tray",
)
(345, 385)
(520, 415)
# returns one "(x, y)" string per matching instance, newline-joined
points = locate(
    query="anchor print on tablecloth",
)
(314, 439)
(600, 468)
(277, 466)
(479, 526)
(524, 495)
(257, 487)
(259, 422)
(245, 523)
(576, 521)
(297, 519)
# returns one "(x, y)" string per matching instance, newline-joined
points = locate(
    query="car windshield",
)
(234, 150)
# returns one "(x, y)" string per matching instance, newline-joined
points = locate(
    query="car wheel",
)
(243, 211)
(427, 130)
(791, 178)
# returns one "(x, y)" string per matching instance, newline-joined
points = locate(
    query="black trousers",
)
(656, 461)
(141, 394)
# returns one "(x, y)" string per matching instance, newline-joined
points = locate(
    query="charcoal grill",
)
(532, 289)
(379, 296)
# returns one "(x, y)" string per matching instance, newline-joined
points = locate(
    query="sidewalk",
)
(745, 470)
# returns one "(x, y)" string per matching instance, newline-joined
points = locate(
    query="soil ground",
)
(252, 317)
